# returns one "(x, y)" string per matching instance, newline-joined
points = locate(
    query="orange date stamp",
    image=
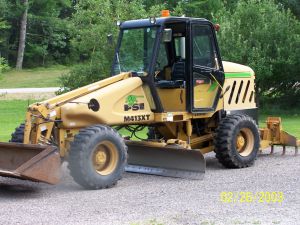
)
(252, 197)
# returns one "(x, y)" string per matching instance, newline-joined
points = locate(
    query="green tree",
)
(202, 8)
(4, 27)
(293, 5)
(266, 37)
(192, 8)
(3, 35)
(92, 21)
(47, 37)
(48, 33)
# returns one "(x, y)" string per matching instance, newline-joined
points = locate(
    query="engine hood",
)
(230, 67)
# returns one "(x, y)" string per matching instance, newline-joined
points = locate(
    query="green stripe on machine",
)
(237, 75)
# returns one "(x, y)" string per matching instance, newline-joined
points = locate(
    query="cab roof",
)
(158, 21)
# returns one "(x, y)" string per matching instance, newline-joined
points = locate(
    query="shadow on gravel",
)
(269, 156)
(18, 191)
(278, 155)
(67, 187)
(213, 164)
(29, 190)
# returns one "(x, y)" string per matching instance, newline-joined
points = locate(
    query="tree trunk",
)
(22, 39)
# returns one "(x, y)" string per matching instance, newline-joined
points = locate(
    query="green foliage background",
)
(264, 34)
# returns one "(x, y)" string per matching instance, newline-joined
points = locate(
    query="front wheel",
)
(237, 141)
(18, 135)
(97, 157)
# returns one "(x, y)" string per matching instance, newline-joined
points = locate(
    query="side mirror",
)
(110, 39)
(167, 35)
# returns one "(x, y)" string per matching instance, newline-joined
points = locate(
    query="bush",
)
(81, 75)
(3, 65)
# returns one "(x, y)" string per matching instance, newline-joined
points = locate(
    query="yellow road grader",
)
(167, 77)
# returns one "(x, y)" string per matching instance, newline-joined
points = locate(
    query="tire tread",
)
(223, 142)
(76, 157)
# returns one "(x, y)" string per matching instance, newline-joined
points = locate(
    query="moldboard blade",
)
(165, 161)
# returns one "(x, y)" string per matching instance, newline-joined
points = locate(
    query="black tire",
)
(237, 141)
(18, 135)
(84, 153)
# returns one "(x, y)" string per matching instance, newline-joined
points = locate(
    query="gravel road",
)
(142, 199)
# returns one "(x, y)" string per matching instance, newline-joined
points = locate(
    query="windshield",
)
(135, 51)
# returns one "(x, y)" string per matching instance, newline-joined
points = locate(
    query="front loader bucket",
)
(30, 162)
(156, 159)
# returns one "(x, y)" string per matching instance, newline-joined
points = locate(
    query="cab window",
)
(204, 53)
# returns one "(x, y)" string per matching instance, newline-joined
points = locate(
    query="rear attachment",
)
(273, 135)
(30, 162)
(164, 160)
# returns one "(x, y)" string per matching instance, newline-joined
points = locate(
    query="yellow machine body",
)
(130, 99)
(112, 95)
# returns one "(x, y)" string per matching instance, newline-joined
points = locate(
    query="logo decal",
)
(131, 103)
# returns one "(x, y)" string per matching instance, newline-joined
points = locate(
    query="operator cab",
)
(174, 56)
(170, 71)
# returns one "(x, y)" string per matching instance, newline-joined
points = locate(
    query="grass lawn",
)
(12, 113)
(35, 78)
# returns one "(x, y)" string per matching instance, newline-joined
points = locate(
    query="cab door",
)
(207, 76)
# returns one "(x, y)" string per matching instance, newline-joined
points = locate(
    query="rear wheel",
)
(237, 141)
(97, 157)
(18, 135)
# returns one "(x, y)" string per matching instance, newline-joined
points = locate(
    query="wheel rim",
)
(105, 158)
(245, 142)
